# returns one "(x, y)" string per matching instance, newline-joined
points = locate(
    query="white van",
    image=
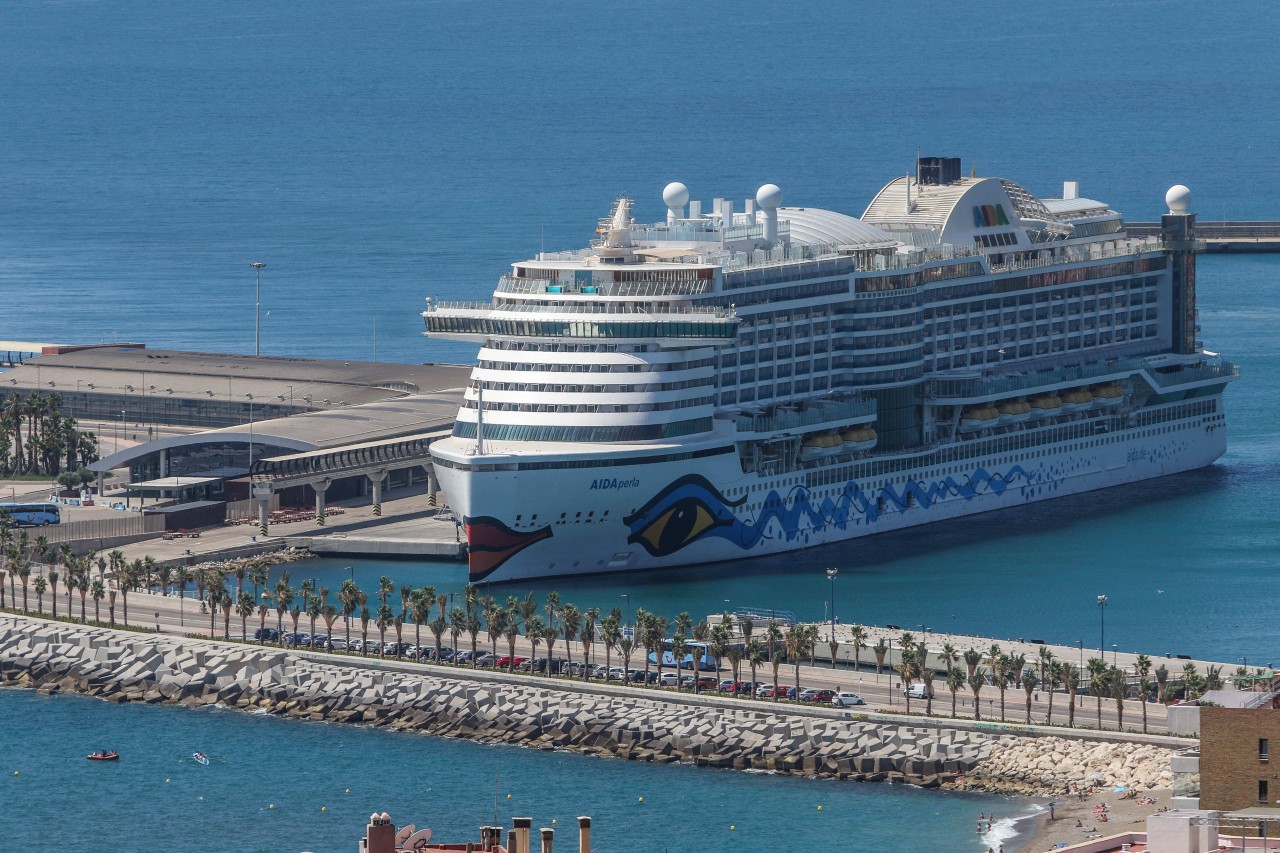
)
(916, 691)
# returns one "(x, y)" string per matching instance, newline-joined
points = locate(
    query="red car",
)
(508, 661)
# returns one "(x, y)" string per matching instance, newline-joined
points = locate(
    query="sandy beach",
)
(1075, 820)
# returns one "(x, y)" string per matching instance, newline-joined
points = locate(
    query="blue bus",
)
(694, 651)
(29, 515)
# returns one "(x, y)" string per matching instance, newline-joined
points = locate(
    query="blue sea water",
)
(374, 154)
(268, 779)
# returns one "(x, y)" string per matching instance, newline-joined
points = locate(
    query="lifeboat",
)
(1014, 411)
(1046, 405)
(103, 756)
(1077, 400)
(820, 446)
(981, 417)
(858, 439)
(1111, 394)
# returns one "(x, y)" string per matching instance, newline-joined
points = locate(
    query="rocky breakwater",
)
(123, 667)
(1053, 766)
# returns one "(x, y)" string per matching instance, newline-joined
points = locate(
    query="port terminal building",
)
(192, 426)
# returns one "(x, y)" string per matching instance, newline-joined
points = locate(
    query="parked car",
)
(706, 682)
(764, 691)
(814, 694)
(463, 656)
(727, 686)
(486, 660)
(337, 644)
(669, 679)
(509, 661)
(617, 673)
(847, 700)
(636, 676)
(266, 635)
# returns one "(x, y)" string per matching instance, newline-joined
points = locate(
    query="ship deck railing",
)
(656, 311)
(657, 285)
(986, 387)
(832, 412)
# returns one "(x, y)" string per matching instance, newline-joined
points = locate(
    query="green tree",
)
(41, 584)
(570, 623)
(955, 683)
(1029, 683)
(1070, 676)
(98, 590)
(385, 619)
(976, 683)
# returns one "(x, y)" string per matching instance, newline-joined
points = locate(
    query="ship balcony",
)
(672, 325)
(817, 414)
(1161, 373)
(640, 284)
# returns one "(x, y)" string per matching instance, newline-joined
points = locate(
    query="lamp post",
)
(1080, 643)
(627, 624)
(257, 305)
(831, 576)
(1102, 626)
(1114, 655)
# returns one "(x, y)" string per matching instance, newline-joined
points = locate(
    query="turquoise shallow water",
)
(449, 785)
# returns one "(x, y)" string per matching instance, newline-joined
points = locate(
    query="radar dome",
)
(769, 197)
(1178, 198)
(675, 195)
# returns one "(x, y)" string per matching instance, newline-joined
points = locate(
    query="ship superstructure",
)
(729, 383)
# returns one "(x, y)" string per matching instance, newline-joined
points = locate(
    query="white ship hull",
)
(692, 512)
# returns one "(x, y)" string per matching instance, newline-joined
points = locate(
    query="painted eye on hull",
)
(680, 524)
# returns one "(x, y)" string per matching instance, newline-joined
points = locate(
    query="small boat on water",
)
(201, 757)
(103, 756)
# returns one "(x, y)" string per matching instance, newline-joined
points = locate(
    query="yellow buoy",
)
(553, 821)
(508, 796)
(732, 827)
(166, 781)
(271, 806)
(348, 790)
(642, 799)
(819, 808)
(15, 773)
(324, 808)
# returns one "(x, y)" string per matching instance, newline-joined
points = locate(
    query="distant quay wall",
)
(121, 666)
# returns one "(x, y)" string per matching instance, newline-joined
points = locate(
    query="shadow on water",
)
(871, 554)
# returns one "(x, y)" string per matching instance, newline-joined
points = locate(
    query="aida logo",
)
(988, 215)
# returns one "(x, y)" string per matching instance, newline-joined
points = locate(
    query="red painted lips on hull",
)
(490, 543)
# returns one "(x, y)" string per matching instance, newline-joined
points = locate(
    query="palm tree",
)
(735, 656)
(1044, 657)
(457, 624)
(587, 636)
(406, 595)
(437, 627)
(644, 638)
(955, 682)
(549, 636)
(880, 650)
(53, 583)
(755, 657)
(99, 591)
(329, 613)
(1117, 686)
(111, 606)
(949, 655)
(626, 646)
(24, 574)
(165, 574)
(1213, 678)
(1053, 676)
(1142, 666)
(908, 669)
(1029, 683)
(349, 598)
(385, 619)
(611, 635)
(1162, 679)
(385, 587)
(245, 607)
(773, 646)
(420, 606)
(41, 584)
(799, 643)
(680, 645)
(926, 674)
(858, 636)
(1071, 683)
(82, 587)
(571, 622)
(365, 615)
(283, 598)
(473, 630)
(511, 634)
(976, 683)
(972, 657)
(497, 626)
(224, 601)
(182, 577)
(258, 576)
(1097, 682)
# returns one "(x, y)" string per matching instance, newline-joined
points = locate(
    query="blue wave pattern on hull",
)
(796, 515)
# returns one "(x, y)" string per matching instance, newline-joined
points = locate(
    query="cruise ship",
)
(728, 383)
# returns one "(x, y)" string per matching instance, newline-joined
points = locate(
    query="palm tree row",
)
(36, 438)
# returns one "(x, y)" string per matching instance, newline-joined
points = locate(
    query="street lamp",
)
(831, 576)
(627, 596)
(257, 304)
(1102, 623)
(1114, 655)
